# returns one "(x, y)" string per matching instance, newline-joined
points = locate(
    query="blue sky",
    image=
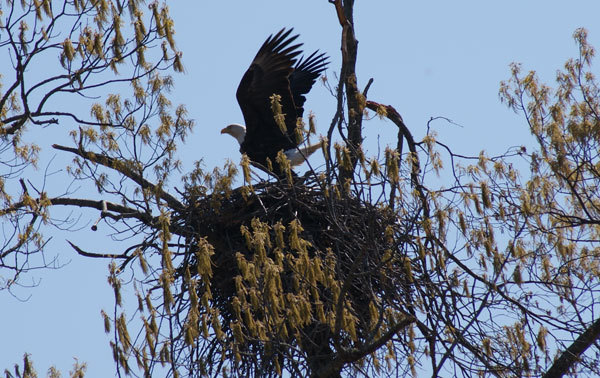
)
(428, 59)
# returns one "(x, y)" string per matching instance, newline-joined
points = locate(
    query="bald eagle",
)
(275, 70)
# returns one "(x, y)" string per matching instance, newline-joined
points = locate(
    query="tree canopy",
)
(415, 259)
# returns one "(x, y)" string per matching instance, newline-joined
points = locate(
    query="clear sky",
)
(428, 59)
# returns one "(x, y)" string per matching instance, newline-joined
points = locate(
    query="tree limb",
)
(355, 354)
(97, 255)
(122, 167)
(571, 356)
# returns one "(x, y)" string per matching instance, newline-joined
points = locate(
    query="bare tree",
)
(368, 267)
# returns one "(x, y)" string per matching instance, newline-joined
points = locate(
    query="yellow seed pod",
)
(157, 19)
(106, 321)
(312, 128)
(392, 164)
(168, 26)
(284, 164)
(487, 346)
(381, 111)
(279, 229)
(541, 338)
(517, 275)
(216, 325)
(237, 331)
(324, 146)
(68, 49)
(373, 312)
(177, 63)
(98, 45)
(278, 114)
(299, 131)
(485, 195)
(462, 223)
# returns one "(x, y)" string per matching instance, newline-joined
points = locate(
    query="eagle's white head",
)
(237, 131)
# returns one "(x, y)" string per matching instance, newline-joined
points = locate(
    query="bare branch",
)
(124, 168)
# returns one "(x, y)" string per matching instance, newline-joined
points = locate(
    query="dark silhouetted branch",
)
(571, 356)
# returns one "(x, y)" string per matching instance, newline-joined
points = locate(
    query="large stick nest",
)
(363, 248)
